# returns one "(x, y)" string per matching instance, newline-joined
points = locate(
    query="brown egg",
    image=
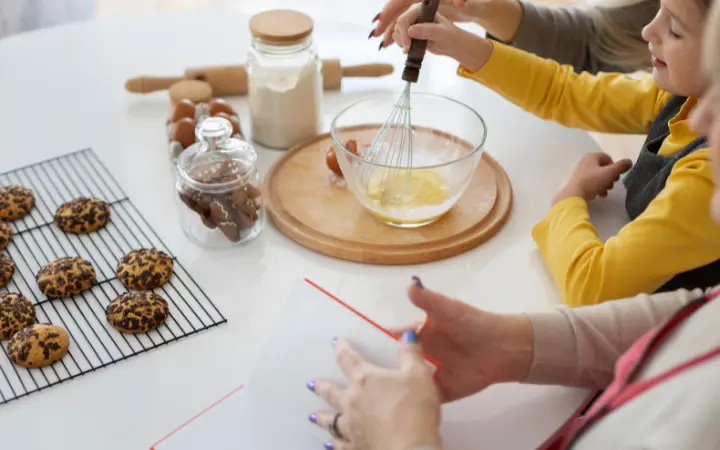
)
(332, 162)
(219, 105)
(351, 146)
(183, 108)
(183, 131)
(232, 120)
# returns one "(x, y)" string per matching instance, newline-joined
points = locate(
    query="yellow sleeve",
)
(673, 235)
(607, 102)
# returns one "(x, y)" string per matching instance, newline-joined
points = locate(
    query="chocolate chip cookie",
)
(82, 215)
(16, 313)
(7, 269)
(145, 269)
(15, 201)
(137, 312)
(66, 276)
(6, 235)
(38, 345)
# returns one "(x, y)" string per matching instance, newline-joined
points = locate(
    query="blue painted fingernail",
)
(409, 337)
(418, 283)
(312, 418)
(311, 385)
(329, 445)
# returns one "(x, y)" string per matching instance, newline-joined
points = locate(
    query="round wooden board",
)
(305, 205)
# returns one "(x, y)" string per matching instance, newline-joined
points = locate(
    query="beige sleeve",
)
(579, 346)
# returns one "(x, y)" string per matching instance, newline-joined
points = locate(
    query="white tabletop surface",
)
(61, 89)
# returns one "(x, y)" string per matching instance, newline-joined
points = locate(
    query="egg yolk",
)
(409, 188)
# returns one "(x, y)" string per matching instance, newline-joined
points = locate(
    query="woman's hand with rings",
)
(380, 409)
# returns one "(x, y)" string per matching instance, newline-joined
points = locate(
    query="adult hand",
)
(443, 38)
(474, 348)
(593, 176)
(454, 10)
(380, 409)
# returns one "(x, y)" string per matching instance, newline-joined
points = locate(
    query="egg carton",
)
(201, 113)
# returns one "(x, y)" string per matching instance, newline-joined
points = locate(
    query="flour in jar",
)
(285, 104)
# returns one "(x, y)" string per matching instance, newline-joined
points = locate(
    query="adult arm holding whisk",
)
(603, 36)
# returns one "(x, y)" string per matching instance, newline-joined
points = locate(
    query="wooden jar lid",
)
(281, 26)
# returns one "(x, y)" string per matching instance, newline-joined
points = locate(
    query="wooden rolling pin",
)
(232, 80)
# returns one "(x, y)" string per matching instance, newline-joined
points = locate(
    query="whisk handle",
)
(416, 54)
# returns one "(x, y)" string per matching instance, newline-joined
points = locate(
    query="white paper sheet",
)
(271, 412)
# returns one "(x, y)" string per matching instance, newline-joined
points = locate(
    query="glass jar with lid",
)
(284, 79)
(218, 188)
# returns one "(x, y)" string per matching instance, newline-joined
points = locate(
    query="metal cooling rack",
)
(93, 343)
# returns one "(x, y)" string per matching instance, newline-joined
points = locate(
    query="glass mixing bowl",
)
(402, 188)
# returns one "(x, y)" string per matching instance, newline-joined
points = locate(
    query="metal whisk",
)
(392, 146)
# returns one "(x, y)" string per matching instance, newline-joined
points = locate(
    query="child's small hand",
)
(444, 38)
(594, 176)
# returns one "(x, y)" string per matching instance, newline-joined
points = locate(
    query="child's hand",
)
(444, 38)
(594, 176)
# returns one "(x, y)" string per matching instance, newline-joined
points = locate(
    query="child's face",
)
(675, 41)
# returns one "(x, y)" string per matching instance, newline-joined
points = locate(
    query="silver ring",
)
(333, 428)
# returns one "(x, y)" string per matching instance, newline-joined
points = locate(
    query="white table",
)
(62, 90)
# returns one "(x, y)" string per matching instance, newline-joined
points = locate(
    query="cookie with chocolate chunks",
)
(6, 235)
(15, 202)
(64, 277)
(38, 345)
(145, 269)
(16, 313)
(82, 215)
(7, 269)
(137, 312)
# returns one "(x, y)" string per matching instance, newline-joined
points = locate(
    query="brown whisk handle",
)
(418, 47)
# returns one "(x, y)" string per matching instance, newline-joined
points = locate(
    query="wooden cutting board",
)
(305, 205)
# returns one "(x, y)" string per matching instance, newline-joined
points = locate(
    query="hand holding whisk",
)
(392, 147)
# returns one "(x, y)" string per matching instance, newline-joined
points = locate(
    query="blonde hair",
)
(618, 27)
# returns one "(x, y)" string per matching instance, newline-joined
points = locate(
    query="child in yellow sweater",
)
(671, 242)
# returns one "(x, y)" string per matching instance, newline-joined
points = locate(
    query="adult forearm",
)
(501, 18)
(580, 346)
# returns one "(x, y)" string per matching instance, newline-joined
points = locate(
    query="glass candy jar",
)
(218, 188)
(284, 79)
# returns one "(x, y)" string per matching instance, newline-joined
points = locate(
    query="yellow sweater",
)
(674, 234)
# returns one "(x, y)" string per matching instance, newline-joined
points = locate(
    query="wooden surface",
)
(307, 206)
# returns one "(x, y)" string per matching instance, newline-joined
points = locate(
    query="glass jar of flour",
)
(284, 79)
